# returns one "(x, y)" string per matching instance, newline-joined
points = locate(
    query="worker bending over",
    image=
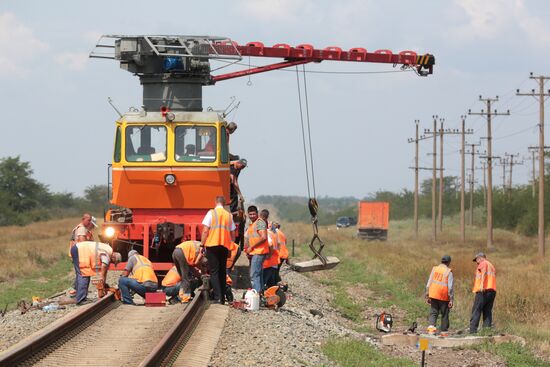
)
(91, 259)
(187, 256)
(440, 292)
(171, 284)
(485, 289)
(217, 234)
(138, 276)
(271, 262)
(283, 250)
(257, 246)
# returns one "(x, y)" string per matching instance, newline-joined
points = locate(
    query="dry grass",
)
(523, 296)
(35, 247)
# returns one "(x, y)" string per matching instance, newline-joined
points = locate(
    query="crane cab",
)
(167, 169)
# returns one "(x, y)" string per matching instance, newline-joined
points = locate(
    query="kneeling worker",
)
(89, 259)
(138, 276)
(171, 283)
(440, 292)
(187, 256)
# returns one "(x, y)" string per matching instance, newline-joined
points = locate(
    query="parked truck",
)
(373, 220)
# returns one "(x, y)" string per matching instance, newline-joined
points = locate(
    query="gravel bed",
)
(14, 326)
(289, 337)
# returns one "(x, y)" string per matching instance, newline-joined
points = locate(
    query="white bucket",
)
(252, 299)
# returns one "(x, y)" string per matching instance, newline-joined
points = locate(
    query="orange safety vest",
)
(283, 250)
(190, 250)
(72, 242)
(439, 286)
(233, 249)
(89, 254)
(490, 279)
(273, 259)
(254, 240)
(220, 229)
(143, 270)
(171, 278)
(228, 280)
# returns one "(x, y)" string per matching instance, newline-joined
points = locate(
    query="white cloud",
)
(73, 60)
(278, 10)
(490, 18)
(18, 45)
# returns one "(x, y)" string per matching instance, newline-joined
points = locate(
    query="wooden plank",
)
(448, 341)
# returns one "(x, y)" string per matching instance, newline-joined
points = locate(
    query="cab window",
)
(117, 145)
(224, 151)
(195, 144)
(145, 143)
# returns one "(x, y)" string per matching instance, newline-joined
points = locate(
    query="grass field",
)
(395, 273)
(34, 260)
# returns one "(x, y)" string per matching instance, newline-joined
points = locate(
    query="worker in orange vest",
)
(485, 289)
(91, 259)
(256, 246)
(440, 293)
(138, 276)
(188, 256)
(271, 263)
(233, 254)
(82, 232)
(171, 284)
(217, 234)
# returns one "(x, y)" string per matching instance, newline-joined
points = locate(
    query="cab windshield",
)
(195, 144)
(145, 143)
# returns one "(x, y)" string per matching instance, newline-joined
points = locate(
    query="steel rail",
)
(170, 345)
(37, 343)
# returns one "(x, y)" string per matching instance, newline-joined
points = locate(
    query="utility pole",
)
(512, 163)
(503, 164)
(440, 210)
(484, 183)
(533, 179)
(462, 174)
(472, 152)
(415, 140)
(489, 114)
(540, 96)
(434, 133)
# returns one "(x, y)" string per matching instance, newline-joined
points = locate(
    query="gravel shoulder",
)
(15, 326)
(293, 335)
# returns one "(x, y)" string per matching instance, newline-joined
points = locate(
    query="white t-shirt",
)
(207, 221)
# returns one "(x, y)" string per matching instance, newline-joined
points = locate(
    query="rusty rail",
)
(167, 350)
(25, 350)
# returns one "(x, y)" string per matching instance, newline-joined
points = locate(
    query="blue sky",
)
(54, 99)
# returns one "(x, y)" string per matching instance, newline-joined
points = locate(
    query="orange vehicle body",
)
(150, 213)
(373, 220)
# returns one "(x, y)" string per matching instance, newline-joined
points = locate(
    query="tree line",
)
(513, 209)
(24, 200)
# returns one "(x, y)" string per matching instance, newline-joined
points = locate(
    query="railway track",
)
(107, 333)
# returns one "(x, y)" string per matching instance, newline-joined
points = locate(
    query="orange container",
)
(373, 219)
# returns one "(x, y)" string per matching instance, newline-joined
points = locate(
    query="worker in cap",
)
(91, 259)
(82, 232)
(187, 257)
(485, 289)
(440, 293)
(138, 276)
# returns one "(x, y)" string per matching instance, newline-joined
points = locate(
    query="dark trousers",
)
(270, 277)
(217, 261)
(483, 304)
(184, 270)
(439, 307)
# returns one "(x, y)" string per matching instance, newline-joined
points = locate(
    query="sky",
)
(55, 113)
